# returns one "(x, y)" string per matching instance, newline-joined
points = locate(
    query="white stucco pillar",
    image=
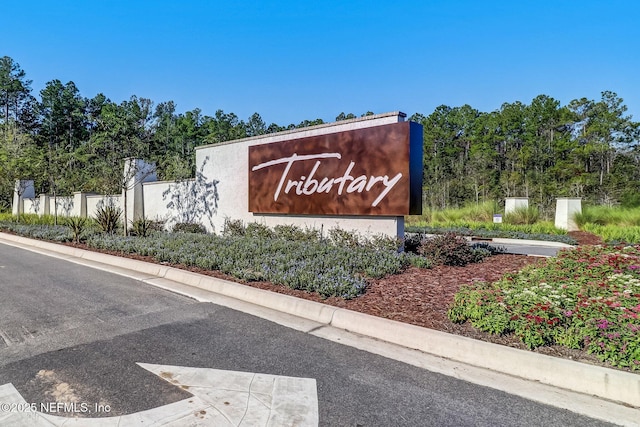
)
(23, 189)
(566, 208)
(79, 204)
(45, 206)
(136, 171)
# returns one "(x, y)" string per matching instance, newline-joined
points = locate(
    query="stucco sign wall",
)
(370, 171)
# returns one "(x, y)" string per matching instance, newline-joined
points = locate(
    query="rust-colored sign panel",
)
(371, 171)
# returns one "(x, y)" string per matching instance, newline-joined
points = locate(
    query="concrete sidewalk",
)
(601, 393)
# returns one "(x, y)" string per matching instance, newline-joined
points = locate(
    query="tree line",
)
(67, 142)
(542, 150)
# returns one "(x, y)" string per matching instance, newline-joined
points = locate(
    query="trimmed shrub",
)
(412, 242)
(346, 238)
(293, 232)
(384, 243)
(419, 261)
(447, 249)
(314, 266)
(483, 250)
(189, 227)
(56, 233)
(259, 231)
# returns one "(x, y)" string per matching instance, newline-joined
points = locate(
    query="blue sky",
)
(297, 60)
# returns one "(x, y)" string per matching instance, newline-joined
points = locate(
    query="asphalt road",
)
(68, 329)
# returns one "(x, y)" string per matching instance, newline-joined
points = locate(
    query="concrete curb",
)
(613, 385)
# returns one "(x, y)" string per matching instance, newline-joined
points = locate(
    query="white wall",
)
(30, 205)
(156, 199)
(96, 200)
(228, 163)
(63, 206)
(136, 172)
(219, 190)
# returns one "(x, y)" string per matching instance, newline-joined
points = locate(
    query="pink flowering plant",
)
(586, 298)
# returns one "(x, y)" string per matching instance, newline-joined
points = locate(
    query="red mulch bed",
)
(422, 296)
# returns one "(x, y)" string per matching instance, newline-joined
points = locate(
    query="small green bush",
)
(108, 218)
(259, 231)
(189, 227)
(490, 250)
(384, 243)
(143, 227)
(292, 232)
(447, 249)
(233, 227)
(412, 242)
(419, 261)
(341, 237)
(77, 225)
